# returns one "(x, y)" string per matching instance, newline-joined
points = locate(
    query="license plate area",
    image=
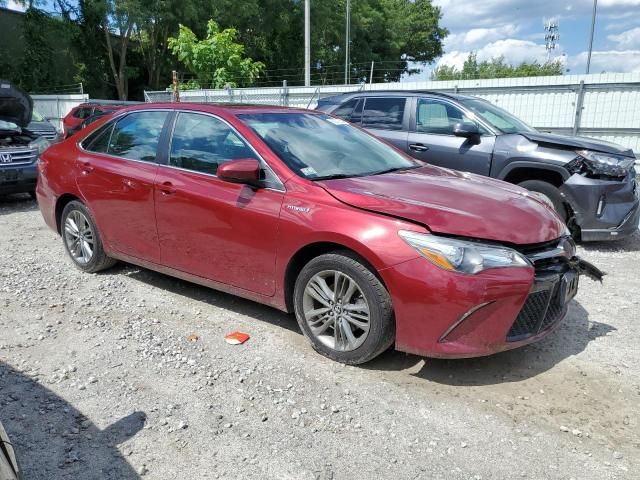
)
(568, 287)
(11, 175)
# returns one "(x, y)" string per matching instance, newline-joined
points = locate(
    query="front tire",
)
(551, 193)
(81, 239)
(343, 308)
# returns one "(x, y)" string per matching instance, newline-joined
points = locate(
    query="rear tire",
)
(551, 192)
(81, 239)
(343, 308)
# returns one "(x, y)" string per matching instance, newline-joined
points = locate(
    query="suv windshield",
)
(37, 116)
(319, 147)
(496, 116)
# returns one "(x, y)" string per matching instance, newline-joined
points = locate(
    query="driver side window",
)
(202, 143)
(439, 118)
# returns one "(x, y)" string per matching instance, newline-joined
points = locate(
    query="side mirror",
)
(466, 130)
(245, 170)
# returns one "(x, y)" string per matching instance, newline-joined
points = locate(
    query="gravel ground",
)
(98, 380)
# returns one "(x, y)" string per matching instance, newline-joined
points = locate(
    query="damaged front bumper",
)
(604, 209)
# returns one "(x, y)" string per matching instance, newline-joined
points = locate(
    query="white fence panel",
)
(56, 107)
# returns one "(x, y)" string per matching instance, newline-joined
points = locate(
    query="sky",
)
(515, 29)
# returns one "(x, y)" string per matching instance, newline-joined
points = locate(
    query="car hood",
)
(16, 106)
(578, 143)
(454, 203)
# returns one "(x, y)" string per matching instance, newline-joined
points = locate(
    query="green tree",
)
(495, 68)
(392, 33)
(217, 60)
(159, 19)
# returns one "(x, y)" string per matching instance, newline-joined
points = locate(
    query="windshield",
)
(36, 116)
(496, 116)
(318, 147)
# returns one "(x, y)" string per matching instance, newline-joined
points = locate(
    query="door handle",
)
(87, 168)
(167, 188)
(418, 147)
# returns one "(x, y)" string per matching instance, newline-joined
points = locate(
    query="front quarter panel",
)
(310, 215)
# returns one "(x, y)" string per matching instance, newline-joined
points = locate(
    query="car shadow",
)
(207, 295)
(53, 440)
(17, 203)
(570, 338)
(628, 244)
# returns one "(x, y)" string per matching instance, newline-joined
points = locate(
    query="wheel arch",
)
(62, 202)
(518, 172)
(312, 250)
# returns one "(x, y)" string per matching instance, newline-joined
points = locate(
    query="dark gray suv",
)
(590, 183)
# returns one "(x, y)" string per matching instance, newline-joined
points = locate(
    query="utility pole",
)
(307, 43)
(175, 97)
(593, 26)
(347, 42)
(371, 74)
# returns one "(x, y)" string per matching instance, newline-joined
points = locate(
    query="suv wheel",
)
(343, 308)
(81, 239)
(550, 193)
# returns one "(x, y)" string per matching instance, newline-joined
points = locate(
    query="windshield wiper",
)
(394, 169)
(334, 176)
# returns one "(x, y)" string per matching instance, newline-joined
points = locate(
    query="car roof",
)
(405, 93)
(229, 108)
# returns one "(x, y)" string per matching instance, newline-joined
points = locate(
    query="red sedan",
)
(304, 212)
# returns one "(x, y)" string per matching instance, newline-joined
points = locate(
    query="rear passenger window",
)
(202, 143)
(82, 113)
(386, 113)
(346, 109)
(136, 136)
(98, 141)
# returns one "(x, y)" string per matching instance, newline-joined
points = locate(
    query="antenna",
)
(551, 36)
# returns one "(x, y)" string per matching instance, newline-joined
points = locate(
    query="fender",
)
(533, 165)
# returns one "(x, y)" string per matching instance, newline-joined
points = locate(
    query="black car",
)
(19, 147)
(9, 469)
(590, 183)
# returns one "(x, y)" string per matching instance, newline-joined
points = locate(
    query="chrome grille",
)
(49, 134)
(17, 157)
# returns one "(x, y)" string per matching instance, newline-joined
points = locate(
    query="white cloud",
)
(618, 3)
(607, 61)
(13, 5)
(514, 51)
(477, 37)
(629, 39)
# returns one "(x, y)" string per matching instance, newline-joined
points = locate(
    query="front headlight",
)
(40, 144)
(606, 164)
(460, 255)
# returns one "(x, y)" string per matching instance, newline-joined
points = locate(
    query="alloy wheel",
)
(79, 237)
(336, 310)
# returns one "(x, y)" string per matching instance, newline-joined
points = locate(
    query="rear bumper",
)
(604, 209)
(18, 178)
